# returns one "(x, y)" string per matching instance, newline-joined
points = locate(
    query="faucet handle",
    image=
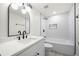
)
(24, 32)
(26, 36)
(18, 38)
(19, 32)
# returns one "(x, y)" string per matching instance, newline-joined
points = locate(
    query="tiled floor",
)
(52, 53)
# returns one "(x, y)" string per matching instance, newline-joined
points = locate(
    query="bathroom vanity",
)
(33, 46)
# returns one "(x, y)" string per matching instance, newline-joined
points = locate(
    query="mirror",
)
(18, 19)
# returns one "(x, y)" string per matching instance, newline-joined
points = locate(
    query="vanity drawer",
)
(35, 50)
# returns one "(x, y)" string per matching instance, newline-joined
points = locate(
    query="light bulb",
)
(19, 4)
(14, 6)
(28, 9)
(23, 11)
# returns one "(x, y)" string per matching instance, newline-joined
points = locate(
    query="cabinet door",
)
(41, 51)
(35, 49)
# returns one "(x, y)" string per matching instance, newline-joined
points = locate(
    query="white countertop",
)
(15, 46)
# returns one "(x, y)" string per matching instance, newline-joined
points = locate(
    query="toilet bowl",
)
(48, 48)
(47, 45)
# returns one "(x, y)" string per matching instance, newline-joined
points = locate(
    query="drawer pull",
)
(37, 53)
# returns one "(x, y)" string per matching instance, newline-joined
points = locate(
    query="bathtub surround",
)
(62, 35)
(65, 26)
(61, 31)
(61, 46)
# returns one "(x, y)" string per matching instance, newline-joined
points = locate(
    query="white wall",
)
(35, 23)
(4, 23)
(65, 28)
(62, 26)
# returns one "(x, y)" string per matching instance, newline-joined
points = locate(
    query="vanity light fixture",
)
(23, 11)
(14, 6)
(19, 4)
(28, 9)
(24, 7)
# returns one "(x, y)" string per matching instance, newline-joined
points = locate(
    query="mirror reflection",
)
(19, 19)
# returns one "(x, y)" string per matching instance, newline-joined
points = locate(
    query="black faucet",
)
(24, 32)
(19, 34)
(19, 38)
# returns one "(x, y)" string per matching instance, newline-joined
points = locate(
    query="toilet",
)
(48, 45)
(48, 48)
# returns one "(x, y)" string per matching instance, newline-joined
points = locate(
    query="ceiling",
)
(57, 7)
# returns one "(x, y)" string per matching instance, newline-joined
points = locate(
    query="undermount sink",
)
(31, 38)
(26, 41)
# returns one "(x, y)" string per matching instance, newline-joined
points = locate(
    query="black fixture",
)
(26, 36)
(77, 17)
(37, 54)
(19, 38)
(29, 5)
(24, 32)
(46, 6)
(43, 30)
(19, 32)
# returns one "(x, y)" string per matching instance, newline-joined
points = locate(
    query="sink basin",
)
(26, 41)
(31, 38)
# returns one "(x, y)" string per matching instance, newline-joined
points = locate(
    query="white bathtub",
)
(62, 46)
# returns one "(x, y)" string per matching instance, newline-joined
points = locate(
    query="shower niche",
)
(53, 26)
(18, 20)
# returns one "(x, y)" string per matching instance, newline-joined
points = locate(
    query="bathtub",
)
(62, 46)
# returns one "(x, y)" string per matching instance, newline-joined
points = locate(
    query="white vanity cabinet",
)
(36, 49)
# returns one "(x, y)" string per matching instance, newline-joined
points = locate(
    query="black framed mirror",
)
(18, 19)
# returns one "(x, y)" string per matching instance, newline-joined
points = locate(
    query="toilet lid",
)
(48, 45)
